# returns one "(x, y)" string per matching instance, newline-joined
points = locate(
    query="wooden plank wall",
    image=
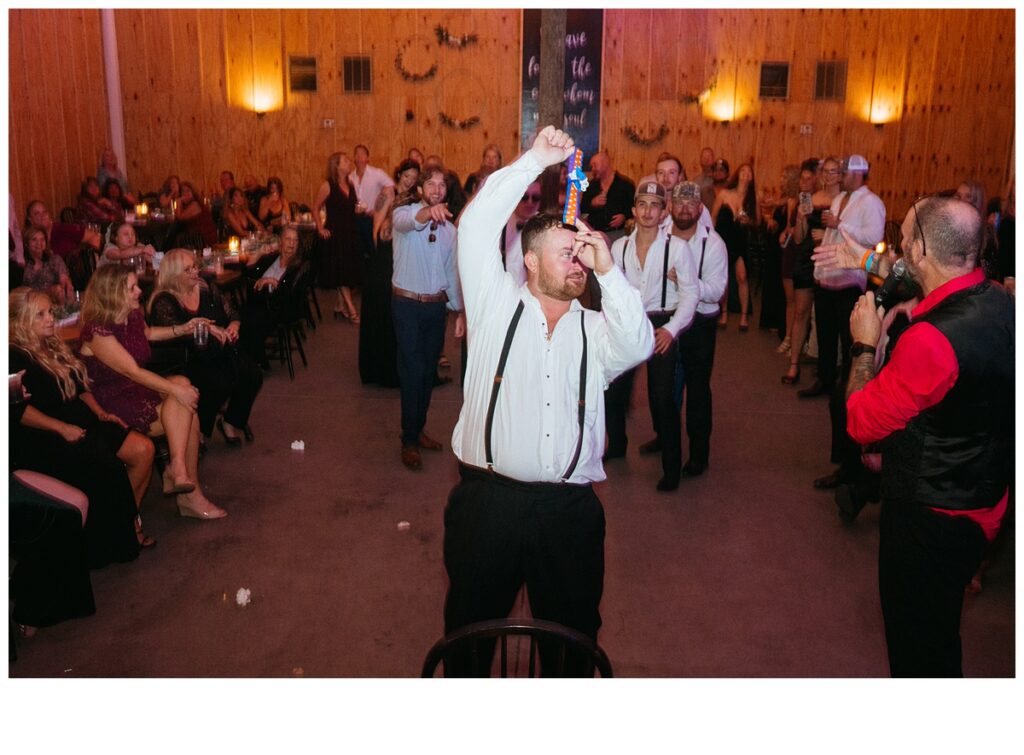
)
(57, 104)
(947, 75)
(189, 78)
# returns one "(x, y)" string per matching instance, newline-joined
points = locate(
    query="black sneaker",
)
(693, 468)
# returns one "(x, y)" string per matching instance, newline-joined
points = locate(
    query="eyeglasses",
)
(433, 236)
(917, 222)
(530, 198)
(833, 172)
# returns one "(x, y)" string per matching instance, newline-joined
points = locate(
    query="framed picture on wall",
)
(301, 73)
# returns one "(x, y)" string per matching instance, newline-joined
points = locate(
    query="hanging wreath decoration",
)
(410, 75)
(634, 136)
(452, 123)
(695, 98)
(444, 37)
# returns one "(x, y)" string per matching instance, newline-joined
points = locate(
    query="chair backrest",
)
(68, 215)
(476, 635)
(893, 234)
(54, 489)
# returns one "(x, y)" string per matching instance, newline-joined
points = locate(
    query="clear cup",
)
(140, 264)
(201, 335)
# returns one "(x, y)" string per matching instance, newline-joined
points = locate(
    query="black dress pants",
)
(832, 310)
(697, 355)
(501, 534)
(925, 560)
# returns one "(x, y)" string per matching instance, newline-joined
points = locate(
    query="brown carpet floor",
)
(744, 572)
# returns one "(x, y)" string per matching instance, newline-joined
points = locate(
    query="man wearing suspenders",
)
(645, 257)
(697, 344)
(531, 431)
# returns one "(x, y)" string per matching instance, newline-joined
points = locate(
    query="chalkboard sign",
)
(582, 95)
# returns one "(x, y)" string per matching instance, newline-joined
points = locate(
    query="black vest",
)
(957, 454)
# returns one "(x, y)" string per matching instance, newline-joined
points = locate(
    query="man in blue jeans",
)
(424, 287)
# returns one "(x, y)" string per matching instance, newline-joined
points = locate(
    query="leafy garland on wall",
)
(410, 75)
(695, 98)
(468, 123)
(444, 37)
(634, 136)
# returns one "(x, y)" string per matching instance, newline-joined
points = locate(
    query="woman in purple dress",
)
(114, 348)
(342, 260)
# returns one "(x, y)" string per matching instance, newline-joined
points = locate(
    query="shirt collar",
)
(947, 289)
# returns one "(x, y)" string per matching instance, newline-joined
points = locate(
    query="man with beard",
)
(942, 408)
(423, 284)
(646, 256)
(531, 431)
(697, 343)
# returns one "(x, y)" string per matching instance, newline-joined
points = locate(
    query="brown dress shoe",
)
(429, 443)
(411, 457)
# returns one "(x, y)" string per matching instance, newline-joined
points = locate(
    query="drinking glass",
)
(201, 335)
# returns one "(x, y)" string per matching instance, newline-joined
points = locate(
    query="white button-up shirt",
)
(535, 428)
(423, 266)
(680, 295)
(713, 275)
(514, 264)
(864, 219)
(369, 186)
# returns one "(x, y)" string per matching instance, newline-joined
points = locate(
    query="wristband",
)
(864, 260)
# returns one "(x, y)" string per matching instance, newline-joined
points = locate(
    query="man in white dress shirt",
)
(369, 181)
(531, 430)
(646, 256)
(424, 286)
(697, 343)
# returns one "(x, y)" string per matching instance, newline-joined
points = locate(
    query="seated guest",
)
(253, 191)
(65, 434)
(195, 216)
(268, 301)
(114, 347)
(275, 211)
(44, 270)
(125, 246)
(112, 190)
(169, 192)
(73, 242)
(218, 370)
(237, 217)
(94, 207)
(108, 171)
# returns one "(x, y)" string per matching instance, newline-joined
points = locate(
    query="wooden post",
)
(550, 102)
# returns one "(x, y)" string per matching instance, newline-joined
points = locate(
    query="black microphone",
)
(891, 283)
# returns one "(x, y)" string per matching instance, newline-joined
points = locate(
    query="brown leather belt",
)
(428, 298)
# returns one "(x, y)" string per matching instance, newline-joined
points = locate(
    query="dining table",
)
(153, 229)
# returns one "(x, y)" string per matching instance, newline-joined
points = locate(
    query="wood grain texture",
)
(190, 78)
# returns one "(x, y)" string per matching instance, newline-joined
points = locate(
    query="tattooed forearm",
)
(861, 372)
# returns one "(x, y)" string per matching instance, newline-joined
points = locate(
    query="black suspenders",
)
(703, 246)
(499, 373)
(664, 272)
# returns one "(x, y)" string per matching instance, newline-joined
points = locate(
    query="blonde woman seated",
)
(65, 433)
(218, 370)
(114, 347)
(44, 270)
(237, 216)
(124, 246)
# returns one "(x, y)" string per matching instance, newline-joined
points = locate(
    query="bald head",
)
(953, 231)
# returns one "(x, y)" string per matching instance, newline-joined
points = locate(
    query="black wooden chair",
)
(288, 335)
(475, 642)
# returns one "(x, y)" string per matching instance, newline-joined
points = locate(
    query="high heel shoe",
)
(790, 379)
(145, 541)
(744, 327)
(210, 511)
(784, 347)
(231, 440)
(249, 435)
(176, 487)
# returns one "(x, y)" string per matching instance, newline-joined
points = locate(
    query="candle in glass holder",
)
(143, 209)
(233, 244)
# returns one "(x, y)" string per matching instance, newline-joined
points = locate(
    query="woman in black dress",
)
(218, 369)
(734, 215)
(377, 347)
(808, 231)
(777, 277)
(342, 260)
(64, 433)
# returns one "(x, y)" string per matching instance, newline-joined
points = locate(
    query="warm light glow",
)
(721, 108)
(264, 101)
(882, 111)
(142, 209)
(233, 244)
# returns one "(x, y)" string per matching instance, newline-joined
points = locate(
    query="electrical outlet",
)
(805, 129)
(328, 123)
